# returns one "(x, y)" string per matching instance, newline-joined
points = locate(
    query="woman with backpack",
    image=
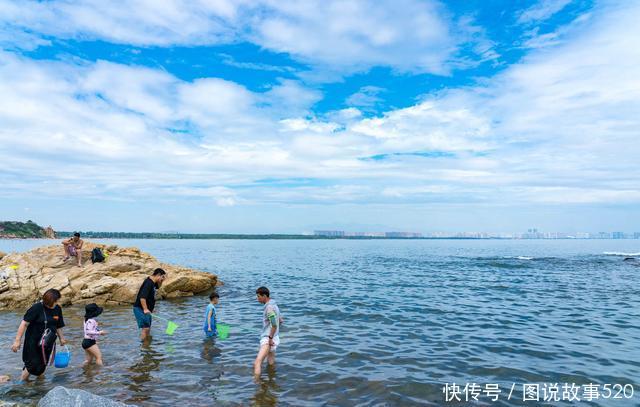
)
(43, 324)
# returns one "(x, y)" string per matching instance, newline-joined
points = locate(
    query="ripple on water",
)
(368, 323)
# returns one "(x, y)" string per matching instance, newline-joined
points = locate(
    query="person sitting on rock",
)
(73, 247)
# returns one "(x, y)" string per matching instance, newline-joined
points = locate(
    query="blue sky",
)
(264, 116)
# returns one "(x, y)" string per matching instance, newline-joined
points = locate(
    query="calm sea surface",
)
(369, 323)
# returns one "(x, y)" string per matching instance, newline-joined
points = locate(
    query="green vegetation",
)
(21, 230)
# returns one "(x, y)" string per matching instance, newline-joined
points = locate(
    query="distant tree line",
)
(151, 235)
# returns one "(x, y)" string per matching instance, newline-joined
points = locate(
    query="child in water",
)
(91, 333)
(210, 329)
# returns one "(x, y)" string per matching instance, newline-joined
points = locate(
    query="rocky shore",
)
(24, 277)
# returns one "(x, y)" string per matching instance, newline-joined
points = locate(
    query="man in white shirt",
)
(269, 339)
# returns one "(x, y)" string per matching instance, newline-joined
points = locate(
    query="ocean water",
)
(372, 322)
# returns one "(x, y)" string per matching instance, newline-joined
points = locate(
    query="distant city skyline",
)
(530, 233)
(264, 117)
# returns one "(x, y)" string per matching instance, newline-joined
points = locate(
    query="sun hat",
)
(92, 310)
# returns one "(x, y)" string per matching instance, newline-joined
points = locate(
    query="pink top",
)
(91, 329)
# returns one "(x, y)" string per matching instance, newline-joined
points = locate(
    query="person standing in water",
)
(43, 324)
(146, 301)
(209, 327)
(91, 334)
(269, 339)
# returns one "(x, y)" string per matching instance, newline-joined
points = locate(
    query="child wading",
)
(269, 339)
(210, 329)
(91, 334)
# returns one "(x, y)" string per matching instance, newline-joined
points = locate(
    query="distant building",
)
(604, 235)
(329, 233)
(533, 233)
(617, 235)
(636, 235)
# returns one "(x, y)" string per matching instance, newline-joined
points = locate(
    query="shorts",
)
(144, 320)
(265, 341)
(87, 343)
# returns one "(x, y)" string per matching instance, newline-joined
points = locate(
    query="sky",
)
(263, 116)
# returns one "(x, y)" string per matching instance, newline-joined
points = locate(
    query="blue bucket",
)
(62, 358)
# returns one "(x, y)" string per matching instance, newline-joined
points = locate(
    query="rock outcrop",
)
(24, 277)
(49, 233)
(61, 396)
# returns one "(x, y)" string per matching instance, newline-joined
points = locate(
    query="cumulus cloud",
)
(559, 126)
(333, 36)
(162, 22)
(407, 35)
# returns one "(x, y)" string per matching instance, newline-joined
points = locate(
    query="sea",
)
(372, 323)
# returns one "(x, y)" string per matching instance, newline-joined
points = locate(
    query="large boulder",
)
(24, 277)
(62, 397)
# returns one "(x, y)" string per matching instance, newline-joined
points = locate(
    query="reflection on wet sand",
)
(267, 389)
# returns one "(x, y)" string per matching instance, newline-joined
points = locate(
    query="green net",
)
(171, 327)
(223, 331)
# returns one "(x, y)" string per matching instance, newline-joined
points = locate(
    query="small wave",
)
(622, 254)
(519, 257)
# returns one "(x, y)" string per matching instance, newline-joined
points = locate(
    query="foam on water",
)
(622, 254)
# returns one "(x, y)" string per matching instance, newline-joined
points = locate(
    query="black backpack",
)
(96, 255)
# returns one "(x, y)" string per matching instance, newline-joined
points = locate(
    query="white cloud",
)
(558, 127)
(162, 22)
(543, 10)
(336, 37)
(138, 89)
(428, 126)
(290, 98)
(407, 35)
(366, 97)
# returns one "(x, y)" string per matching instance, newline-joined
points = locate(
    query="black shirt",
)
(148, 292)
(35, 317)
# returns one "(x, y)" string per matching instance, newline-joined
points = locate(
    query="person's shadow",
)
(267, 389)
